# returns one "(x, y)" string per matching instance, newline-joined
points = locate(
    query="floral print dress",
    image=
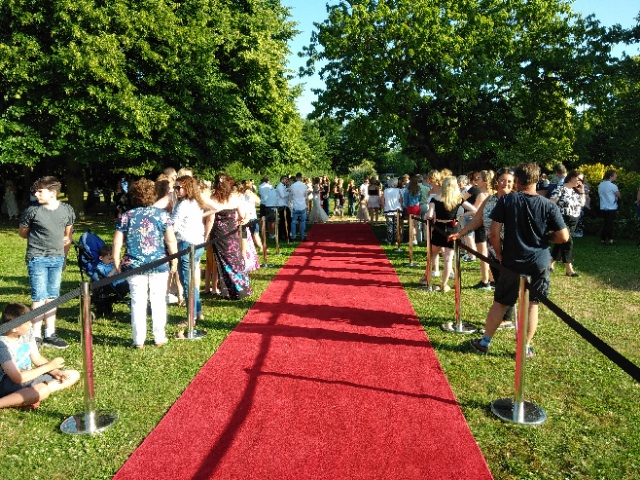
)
(234, 280)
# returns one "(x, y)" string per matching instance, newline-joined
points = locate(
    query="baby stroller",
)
(87, 249)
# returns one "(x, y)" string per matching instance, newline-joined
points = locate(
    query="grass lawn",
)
(593, 429)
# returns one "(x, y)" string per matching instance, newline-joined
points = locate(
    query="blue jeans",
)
(184, 273)
(298, 216)
(45, 276)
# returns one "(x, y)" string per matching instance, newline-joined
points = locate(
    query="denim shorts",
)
(45, 276)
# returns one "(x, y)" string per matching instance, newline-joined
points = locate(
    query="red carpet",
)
(329, 376)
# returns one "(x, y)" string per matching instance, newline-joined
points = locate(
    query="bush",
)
(360, 172)
(628, 183)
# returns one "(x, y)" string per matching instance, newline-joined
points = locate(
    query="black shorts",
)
(508, 286)
(481, 234)
(8, 386)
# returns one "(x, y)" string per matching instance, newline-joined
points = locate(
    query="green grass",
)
(592, 431)
(593, 425)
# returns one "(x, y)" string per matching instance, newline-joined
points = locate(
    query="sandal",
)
(181, 302)
(443, 289)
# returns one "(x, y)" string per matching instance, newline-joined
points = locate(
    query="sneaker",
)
(54, 341)
(482, 286)
(415, 242)
(578, 234)
(530, 353)
(435, 274)
(468, 258)
(39, 342)
(493, 285)
(475, 345)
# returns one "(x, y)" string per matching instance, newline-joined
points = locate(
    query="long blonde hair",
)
(450, 195)
(489, 177)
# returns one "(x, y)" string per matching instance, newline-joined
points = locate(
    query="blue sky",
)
(305, 12)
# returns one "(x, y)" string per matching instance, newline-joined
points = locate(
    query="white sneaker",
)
(435, 274)
(171, 298)
(415, 242)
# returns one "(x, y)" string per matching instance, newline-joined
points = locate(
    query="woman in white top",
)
(190, 230)
(251, 235)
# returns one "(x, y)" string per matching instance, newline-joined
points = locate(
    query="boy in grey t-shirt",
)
(47, 228)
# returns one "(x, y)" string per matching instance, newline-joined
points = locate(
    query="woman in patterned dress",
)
(228, 207)
(570, 197)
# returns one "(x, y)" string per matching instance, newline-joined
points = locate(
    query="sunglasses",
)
(177, 187)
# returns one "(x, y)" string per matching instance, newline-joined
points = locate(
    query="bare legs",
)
(49, 318)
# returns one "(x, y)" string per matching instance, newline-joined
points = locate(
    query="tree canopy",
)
(454, 82)
(139, 84)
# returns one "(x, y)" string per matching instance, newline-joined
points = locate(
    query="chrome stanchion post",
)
(91, 421)
(427, 274)
(266, 264)
(192, 285)
(277, 222)
(411, 238)
(457, 326)
(517, 410)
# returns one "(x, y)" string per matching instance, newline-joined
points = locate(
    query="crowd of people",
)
(512, 217)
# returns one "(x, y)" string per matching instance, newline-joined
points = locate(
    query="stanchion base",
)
(267, 265)
(83, 423)
(195, 335)
(399, 250)
(454, 327)
(528, 413)
(411, 264)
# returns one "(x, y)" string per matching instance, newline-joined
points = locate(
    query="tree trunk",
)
(74, 186)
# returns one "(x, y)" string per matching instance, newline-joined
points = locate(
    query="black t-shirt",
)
(473, 194)
(526, 219)
(442, 213)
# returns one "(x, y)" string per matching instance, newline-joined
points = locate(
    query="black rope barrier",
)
(75, 293)
(607, 350)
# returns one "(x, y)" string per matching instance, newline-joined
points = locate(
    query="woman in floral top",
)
(147, 232)
(570, 197)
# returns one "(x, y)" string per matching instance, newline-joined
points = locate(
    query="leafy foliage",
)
(146, 83)
(455, 83)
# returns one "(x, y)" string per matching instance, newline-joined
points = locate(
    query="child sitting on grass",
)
(20, 384)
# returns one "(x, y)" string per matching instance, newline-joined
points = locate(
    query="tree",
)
(454, 82)
(138, 84)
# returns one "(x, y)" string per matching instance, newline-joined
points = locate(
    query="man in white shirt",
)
(609, 198)
(267, 203)
(391, 200)
(299, 192)
(282, 204)
(364, 188)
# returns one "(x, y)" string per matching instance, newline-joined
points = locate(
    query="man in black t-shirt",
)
(530, 222)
